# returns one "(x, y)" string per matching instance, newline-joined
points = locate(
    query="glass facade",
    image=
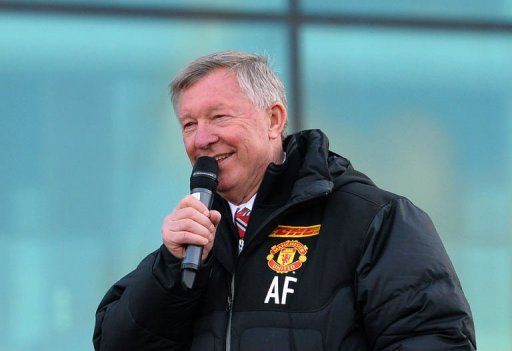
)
(199, 5)
(92, 158)
(492, 10)
(428, 114)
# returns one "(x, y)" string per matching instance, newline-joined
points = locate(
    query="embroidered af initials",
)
(273, 290)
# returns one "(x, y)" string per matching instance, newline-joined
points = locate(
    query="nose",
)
(205, 136)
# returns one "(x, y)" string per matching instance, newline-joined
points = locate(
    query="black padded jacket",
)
(330, 262)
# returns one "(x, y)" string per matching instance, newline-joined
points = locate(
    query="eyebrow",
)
(208, 110)
(217, 107)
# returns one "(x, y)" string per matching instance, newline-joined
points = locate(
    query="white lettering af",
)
(273, 290)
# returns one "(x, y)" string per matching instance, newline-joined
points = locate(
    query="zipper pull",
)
(230, 295)
(230, 303)
(240, 245)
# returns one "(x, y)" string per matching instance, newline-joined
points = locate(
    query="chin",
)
(225, 183)
(221, 188)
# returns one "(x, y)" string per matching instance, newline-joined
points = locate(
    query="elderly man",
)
(301, 252)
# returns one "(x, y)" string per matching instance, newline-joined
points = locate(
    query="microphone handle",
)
(193, 253)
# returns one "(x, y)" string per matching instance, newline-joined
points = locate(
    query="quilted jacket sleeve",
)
(407, 289)
(148, 309)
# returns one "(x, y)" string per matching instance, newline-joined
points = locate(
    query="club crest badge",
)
(287, 256)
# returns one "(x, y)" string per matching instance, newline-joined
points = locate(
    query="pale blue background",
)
(92, 160)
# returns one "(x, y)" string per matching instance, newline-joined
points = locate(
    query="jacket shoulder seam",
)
(379, 204)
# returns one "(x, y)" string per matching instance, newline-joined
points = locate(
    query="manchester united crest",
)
(287, 256)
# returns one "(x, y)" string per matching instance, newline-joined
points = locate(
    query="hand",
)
(190, 223)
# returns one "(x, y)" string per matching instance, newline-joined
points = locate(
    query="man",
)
(319, 257)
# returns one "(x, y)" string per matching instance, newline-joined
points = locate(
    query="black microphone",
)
(203, 184)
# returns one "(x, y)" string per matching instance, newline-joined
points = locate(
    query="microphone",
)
(203, 184)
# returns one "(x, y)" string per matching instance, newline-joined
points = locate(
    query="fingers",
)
(215, 217)
(190, 224)
(187, 238)
(189, 220)
(193, 202)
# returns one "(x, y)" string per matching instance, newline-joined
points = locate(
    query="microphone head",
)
(205, 174)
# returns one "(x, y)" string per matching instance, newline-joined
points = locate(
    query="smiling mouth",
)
(222, 157)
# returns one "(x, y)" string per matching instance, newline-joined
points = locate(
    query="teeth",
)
(222, 157)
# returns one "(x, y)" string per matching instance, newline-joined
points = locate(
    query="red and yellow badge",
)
(286, 253)
(288, 231)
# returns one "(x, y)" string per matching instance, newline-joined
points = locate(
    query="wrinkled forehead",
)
(222, 73)
(220, 88)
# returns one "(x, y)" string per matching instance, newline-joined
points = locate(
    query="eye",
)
(188, 125)
(220, 117)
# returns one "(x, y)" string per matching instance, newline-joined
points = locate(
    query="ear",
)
(278, 118)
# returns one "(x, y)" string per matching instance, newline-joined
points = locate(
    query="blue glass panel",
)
(92, 159)
(428, 115)
(234, 5)
(474, 9)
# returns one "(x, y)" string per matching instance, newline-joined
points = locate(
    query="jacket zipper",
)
(231, 296)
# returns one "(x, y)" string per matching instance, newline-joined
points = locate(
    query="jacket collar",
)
(309, 171)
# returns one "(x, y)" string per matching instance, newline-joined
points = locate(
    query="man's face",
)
(220, 121)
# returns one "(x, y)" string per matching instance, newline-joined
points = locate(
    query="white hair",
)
(254, 75)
